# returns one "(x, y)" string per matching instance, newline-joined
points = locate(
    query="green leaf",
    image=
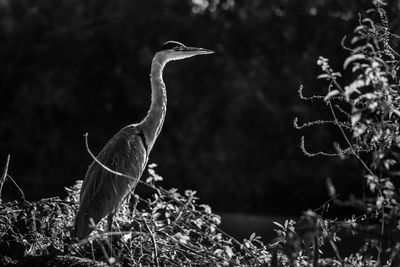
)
(279, 225)
(252, 236)
(368, 20)
(359, 28)
(353, 58)
(395, 111)
(228, 251)
(331, 94)
(355, 118)
(324, 76)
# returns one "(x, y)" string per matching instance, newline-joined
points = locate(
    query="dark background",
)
(68, 67)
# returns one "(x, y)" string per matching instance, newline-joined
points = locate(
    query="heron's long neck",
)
(154, 120)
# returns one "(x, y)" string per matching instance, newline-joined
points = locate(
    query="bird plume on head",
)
(170, 45)
(127, 152)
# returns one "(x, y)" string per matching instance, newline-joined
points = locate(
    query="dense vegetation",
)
(70, 67)
(168, 229)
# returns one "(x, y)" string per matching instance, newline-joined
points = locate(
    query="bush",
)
(169, 229)
(366, 112)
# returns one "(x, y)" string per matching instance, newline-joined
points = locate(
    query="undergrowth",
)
(169, 229)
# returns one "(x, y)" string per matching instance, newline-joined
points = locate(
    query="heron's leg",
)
(110, 219)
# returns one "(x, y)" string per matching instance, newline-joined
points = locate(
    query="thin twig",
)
(132, 189)
(326, 202)
(154, 242)
(16, 185)
(317, 97)
(335, 249)
(342, 110)
(317, 122)
(319, 153)
(4, 175)
(101, 164)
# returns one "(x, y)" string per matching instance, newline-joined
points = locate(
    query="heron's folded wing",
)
(124, 153)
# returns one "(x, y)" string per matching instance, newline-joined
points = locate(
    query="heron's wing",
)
(124, 153)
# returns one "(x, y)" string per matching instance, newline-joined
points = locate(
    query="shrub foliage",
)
(169, 229)
(366, 112)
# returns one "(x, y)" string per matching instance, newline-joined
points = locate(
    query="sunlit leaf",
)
(324, 76)
(331, 94)
(355, 57)
(279, 225)
(355, 118)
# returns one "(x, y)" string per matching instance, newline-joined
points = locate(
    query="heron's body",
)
(127, 152)
(102, 192)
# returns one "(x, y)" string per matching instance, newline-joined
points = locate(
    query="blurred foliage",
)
(70, 67)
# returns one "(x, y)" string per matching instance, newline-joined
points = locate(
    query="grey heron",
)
(127, 152)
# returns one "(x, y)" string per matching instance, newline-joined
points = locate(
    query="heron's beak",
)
(193, 51)
(187, 52)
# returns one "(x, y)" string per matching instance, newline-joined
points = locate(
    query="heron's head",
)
(172, 50)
